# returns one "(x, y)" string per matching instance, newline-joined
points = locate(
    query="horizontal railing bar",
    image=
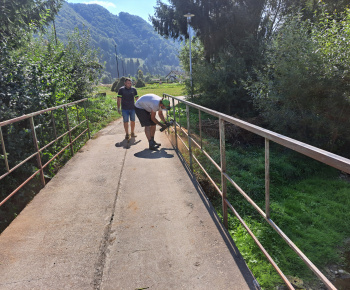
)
(53, 141)
(21, 118)
(246, 196)
(200, 165)
(272, 262)
(59, 137)
(318, 154)
(302, 255)
(47, 163)
(183, 142)
(33, 155)
(323, 156)
(280, 232)
(18, 165)
(18, 188)
(203, 151)
(207, 174)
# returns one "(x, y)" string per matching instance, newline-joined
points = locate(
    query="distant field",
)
(171, 89)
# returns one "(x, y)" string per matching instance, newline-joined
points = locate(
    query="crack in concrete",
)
(100, 264)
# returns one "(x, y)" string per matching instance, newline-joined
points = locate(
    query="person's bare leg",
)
(153, 131)
(132, 125)
(148, 132)
(126, 128)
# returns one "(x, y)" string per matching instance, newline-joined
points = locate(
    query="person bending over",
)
(126, 97)
(146, 109)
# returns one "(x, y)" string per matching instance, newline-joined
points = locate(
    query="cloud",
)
(105, 4)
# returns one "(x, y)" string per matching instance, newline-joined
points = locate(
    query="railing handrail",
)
(323, 156)
(38, 150)
(26, 116)
(318, 154)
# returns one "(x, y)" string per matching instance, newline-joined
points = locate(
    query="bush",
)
(140, 84)
(118, 84)
(303, 90)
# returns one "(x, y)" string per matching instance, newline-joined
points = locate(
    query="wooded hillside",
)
(138, 45)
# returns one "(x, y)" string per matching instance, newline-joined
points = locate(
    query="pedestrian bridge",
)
(119, 216)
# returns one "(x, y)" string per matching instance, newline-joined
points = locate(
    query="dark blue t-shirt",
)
(128, 97)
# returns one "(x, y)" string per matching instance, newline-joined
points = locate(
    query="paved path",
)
(119, 216)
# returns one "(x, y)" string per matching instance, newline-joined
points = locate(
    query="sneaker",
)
(152, 145)
(158, 144)
(133, 135)
(153, 148)
(127, 137)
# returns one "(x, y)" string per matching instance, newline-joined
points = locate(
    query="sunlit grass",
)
(174, 89)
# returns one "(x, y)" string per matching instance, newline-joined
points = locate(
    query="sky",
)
(142, 8)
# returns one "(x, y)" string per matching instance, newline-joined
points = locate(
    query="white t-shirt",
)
(149, 102)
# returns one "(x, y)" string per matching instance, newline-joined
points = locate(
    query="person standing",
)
(126, 98)
(146, 108)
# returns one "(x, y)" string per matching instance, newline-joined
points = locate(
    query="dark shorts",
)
(144, 117)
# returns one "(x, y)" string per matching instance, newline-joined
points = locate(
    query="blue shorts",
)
(126, 114)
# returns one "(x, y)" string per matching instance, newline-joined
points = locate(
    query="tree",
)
(303, 90)
(140, 75)
(20, 16)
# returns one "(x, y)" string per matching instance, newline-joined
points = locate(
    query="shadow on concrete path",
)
(126, 144)
(149, 154)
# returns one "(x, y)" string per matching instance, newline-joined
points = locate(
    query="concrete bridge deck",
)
(119, 216)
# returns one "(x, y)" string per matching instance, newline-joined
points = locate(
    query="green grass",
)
(170, 89)
(309, 202)
(173, 89)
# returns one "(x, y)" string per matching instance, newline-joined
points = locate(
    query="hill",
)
(136, 42)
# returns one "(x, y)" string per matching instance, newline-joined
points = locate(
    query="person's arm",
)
(154, 119)
(119, 96)
(136, 95)
(161, 116)
(118, 103)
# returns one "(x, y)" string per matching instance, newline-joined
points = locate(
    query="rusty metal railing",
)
(323, 156)
(36, 143)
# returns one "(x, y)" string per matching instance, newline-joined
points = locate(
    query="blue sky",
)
(142, 8)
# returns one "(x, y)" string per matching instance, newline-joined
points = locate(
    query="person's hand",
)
(163, 127)
(119, 111)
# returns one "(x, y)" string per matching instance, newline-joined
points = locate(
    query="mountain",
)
(138, 45)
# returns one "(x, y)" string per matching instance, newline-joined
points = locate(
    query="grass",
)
(309, 202)
(173, 89)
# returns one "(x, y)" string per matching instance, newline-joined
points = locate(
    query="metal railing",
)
(331, 159)
(36, 143)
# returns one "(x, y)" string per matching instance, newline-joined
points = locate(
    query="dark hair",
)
(127, 79)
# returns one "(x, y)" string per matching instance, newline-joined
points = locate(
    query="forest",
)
(281, 64)
(133, 39)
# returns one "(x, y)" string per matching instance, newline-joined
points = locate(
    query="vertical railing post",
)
(87, 119)
(4, 150)
(175, 126)
(223, 170)
(167, 117)
(267, 178)
(38, 157)
(178, 104)
(200, 127)
(189, 135)
(69, 132)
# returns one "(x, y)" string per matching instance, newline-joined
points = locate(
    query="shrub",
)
(140, 84)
